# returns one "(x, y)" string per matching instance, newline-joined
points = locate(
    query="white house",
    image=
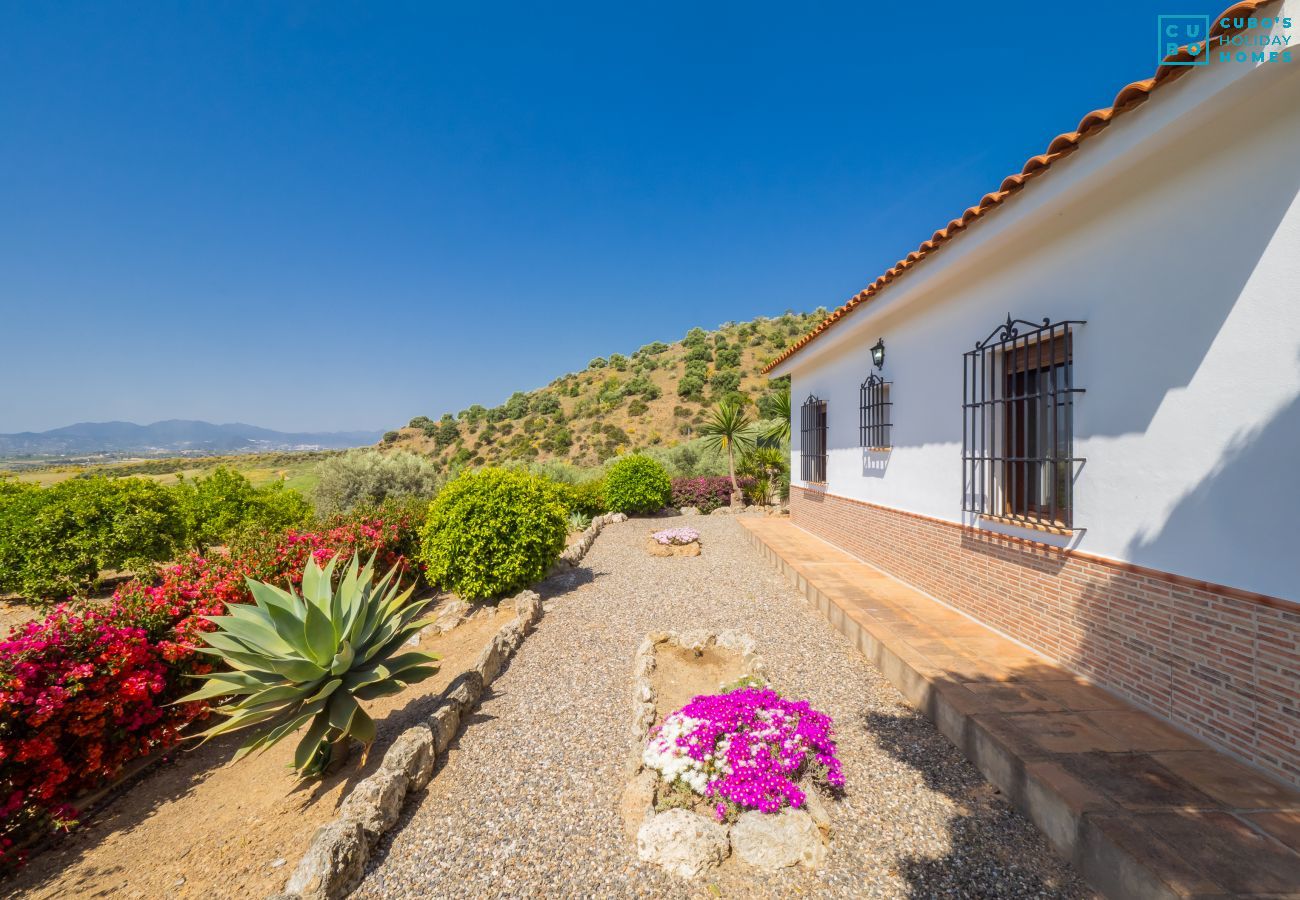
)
(1086, 429)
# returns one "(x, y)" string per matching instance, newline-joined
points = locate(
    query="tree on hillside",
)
(728, 428)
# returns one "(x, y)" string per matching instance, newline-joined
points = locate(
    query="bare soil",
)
(681, 675)
(199, 826)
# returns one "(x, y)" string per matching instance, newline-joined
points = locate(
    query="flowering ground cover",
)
(676, 537)
(747, 749)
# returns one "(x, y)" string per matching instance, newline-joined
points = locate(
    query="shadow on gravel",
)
(988, 856)
(564, 582)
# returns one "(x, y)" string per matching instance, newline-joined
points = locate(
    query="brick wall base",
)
(1223, 664)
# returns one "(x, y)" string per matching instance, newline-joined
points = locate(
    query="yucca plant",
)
(310, 658)
(728, 428)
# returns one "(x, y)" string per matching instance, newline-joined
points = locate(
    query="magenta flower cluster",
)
(676, 536)
(756, 746)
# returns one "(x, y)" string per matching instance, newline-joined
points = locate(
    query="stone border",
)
(684, 842)
(335, 861)
(645, 704)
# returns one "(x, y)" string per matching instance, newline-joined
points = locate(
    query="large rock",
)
(721, 511)
(376, 802)
(413, 754)
(334, 864)
(690, 510)
(778, 840)
(683, 842)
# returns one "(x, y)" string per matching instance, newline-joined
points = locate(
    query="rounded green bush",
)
(637, 484)
(493, 531)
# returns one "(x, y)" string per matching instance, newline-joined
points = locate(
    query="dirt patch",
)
(202, 827)
(682, 674)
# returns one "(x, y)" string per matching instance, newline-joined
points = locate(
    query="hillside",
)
(171, 437)
(656, 396)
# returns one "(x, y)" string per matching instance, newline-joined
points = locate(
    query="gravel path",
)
(527, 802)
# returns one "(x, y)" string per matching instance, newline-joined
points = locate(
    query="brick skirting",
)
(1222, 663)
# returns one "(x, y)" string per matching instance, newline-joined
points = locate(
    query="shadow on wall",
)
(1210, 517)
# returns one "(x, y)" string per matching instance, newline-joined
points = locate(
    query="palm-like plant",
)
(779, 430)
(728, 428)
(305, 659)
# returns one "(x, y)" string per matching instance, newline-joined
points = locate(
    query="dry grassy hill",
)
(654, 397)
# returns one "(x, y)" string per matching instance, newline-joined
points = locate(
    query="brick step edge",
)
(1105, 865)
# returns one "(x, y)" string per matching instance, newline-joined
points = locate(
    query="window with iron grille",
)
(874, 425)
(812, 447)
(1018, 424)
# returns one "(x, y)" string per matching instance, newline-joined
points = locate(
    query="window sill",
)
(1028, 525)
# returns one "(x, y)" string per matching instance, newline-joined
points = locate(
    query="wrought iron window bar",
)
(875, 426)
(812, 446)
(1018, 424)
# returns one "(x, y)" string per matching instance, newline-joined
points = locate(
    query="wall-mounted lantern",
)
(878, 354)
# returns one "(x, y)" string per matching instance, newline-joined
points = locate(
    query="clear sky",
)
(334, 216)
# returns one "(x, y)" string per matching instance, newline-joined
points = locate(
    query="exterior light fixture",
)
(878, 354)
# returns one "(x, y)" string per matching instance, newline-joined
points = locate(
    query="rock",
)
(816, 808)
(492, 658)
(444, 722)
(278, 862)
(637, 805)
(376, 802)
(334, 863)
(615, 518)
(528, 609)
(413, 754)
(451, 615)
(683, 842)
(721, 511)
(690, 510)
(775, 841)
(654, 548)
(465, 691)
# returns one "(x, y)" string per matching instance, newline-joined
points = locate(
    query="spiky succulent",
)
(310, 658)
(578, 521)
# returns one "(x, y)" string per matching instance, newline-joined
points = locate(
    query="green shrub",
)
(637, 484)
(55, 541)
(493, 531)
(586, 497)
(213, 508)
(368, 477)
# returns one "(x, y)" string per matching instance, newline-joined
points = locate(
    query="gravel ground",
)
(527, 802)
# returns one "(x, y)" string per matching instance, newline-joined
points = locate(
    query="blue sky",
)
(335, 216)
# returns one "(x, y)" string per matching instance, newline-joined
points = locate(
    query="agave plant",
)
(578, 521)
(305, 659)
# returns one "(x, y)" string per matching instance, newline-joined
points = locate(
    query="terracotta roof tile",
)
(1129, 98)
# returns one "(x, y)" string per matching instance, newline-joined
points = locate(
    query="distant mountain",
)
(174, 436)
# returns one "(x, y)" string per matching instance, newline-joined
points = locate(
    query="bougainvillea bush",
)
(88, 689)
(745, 750)
(676, 537)
(706, 493)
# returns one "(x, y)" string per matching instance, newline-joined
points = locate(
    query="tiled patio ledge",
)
(1139, 807)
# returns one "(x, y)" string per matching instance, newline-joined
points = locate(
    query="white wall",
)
(1176, 234)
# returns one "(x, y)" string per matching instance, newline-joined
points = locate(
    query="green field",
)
(296, 470)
